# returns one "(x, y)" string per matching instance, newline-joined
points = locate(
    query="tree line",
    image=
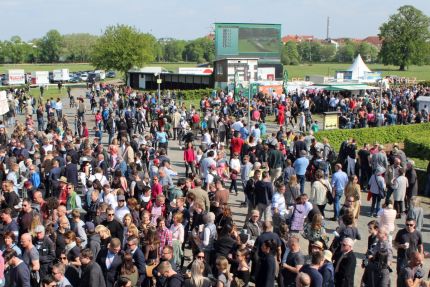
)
(405, 41)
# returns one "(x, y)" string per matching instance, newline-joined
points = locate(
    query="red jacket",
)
(189, 155)
(236, 145)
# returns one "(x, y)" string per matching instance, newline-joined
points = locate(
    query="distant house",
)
(297, 38)
(374, 40)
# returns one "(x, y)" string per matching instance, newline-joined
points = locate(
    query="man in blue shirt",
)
(300, 166)
(338, 182)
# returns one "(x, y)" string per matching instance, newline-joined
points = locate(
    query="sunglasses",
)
(63, 257)
(110, 214)
(200, 257)
(409, 224)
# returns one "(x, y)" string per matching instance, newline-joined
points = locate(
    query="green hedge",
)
(382, 135)
(189, 94)
(418, 146)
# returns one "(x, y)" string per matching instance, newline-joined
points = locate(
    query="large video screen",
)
(247, 40)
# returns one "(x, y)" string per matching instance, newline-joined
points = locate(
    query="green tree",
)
(404, 38)
(328, 51)
(346, 52)
(199, 50)
(309, 51)
(367, 51)
(51, 47)
(290, 54)
(17, 51)
(77, 47)
(123, 47)
(173, 50)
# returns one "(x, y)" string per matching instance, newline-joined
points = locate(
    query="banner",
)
(4, 106)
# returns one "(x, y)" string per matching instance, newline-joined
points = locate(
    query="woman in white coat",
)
(399, 184)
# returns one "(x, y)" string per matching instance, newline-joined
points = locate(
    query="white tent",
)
(358, 69)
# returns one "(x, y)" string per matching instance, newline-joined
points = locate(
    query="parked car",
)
(111, 74)
(84, 77)
(74, 80)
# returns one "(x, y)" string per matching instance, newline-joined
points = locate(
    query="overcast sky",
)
(188, 19)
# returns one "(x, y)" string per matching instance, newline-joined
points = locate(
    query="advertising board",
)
(247, 40)
(16, 77)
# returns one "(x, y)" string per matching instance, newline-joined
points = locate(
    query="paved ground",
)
(239, 212)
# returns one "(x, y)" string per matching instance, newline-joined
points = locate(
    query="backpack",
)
(331, 156)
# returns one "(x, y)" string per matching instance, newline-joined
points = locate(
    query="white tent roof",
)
(358, 68)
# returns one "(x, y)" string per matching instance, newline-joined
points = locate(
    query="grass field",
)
(73, 67)
(300, 71)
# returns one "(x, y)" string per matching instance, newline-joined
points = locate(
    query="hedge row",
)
(382, 135)
(418, 146)
(189, 94)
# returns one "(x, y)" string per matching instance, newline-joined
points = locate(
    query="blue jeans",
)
(301, 180)
(336, 203)
(376, 203)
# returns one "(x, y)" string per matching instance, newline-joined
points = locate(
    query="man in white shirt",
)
(121, 210)
(237, 125)
(206, 163)
(99, 176)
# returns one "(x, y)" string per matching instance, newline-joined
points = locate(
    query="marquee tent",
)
(358, 69)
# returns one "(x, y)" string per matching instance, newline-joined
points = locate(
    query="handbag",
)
(149, 268)
(328, 194)
(382, 191)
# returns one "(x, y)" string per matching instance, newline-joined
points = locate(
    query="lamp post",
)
(159, 81)
(380, 96)
(249, 108)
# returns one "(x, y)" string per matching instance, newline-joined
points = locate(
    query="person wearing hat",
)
(62, 190)
(327, 269)
(46, 249)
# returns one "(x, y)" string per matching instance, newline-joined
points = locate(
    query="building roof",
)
(374, 40)
(297, 38)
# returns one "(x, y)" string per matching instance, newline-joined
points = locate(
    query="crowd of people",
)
(99, 203)
(398, 105)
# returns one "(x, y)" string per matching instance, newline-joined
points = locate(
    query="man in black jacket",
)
(71, 171)
(263, 196)
(110, 260)
(46, 249)
(115, 227)
(9, 198)
(345, 263)
(92, 275)
(138, 258)
(250, 192)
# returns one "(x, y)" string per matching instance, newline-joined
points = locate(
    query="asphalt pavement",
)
(239, 213)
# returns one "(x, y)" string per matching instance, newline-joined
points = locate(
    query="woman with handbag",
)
(377, 188)
(321, 192)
